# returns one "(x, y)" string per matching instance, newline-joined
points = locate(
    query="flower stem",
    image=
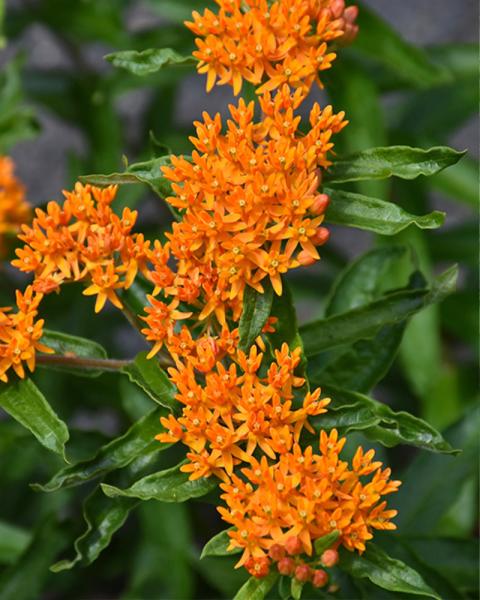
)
(77, 362)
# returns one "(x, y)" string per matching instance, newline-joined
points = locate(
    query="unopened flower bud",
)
(286, 566)
(319, 578)
(321, 236)
(320, 204)
(293, 545)
(303, 573)
(329, 558)
(350, 14)
(276, 552)
(337, 7)
(305, 259)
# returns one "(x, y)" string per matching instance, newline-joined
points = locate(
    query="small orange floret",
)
(14, 209)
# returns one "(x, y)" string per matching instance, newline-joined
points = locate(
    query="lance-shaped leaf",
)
(351, 411)
(153, 380)
(372, 214)
(138, 441)
(24, 579)
(397, 161)
(22, 400)
(366, 321)
(218, 546)
(256, 310)
(324, 543)
(256, 588)
(170, 485)
(386, 572)
(149, 61)
(72, 346)
(380, 42)
(103, 516)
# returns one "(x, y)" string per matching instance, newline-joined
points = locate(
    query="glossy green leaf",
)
(380, 42)
(391, 161)
(372, 214)
(324, 543)
(427, 493)
(138, 441)
(386, 572)
(71, 346)
(218, 546)
(351, 411)
(23, 401)
(25, 579)
(103, 516)
(256, 588)
(149, 61)
(256, 310)
(296, 588)
(13, 541)
(170, 485)
(153, 380)
(366, 321)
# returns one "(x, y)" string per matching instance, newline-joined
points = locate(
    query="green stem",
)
(77, 362)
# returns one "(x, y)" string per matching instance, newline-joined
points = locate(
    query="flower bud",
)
(320, 204)
(293, 545)
(329, 558)
(303, 573)
(305, 259)
(321, 236)
(337, 7)
(320, 578)
(286, 566)
(276, 552)
(350, 14)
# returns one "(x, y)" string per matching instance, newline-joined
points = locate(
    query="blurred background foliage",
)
(394, 92)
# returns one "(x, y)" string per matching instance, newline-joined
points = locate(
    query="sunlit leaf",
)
(72, 346)
(153, 380)
(149, 61)
(256, 588)
(218, 546)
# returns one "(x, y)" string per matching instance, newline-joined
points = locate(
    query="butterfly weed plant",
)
(276, 431)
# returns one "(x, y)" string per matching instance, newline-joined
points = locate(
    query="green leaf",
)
(256, 588)
(103, 516)
(170, 485)
(324, 543)
(218, 546)
(13, 541)
(427, 493)
(256, 310)
(138, 441)
(25, 579)
(23, 401)
(397, 161)
(380, 42)
(372, 214)
(153, 380)
(386, 572)
(296, 588)
(351, 411)
(149, 61)
(72, 346)
(366, 321)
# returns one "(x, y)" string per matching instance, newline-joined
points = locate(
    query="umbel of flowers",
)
(250, 209)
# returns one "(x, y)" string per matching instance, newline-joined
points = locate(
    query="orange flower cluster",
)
(249, 202)
(20, 334)
(14, 209)
(288, 41)
(278, 510)
(83, 240)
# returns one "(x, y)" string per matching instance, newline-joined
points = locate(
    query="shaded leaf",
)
(386, 572)
(372, 214)
(170, 485)
(323, 543)
(218, 546)
(459, 182)
(73, 346)
(398, 161)
(138, 441)
(351, 411)
(366, 321)
(13, 541)
(256, 310)
(23, 401)
(256, 588)
(153, 380)
(148, 61)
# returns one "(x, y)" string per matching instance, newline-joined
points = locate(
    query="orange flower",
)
(83, 240)
(286, 41)
(14, 209)
(20, 334)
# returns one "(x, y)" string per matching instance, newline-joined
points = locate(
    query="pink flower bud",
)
(321, 236)
(276, 552)
(303, 573)
(293, 545)
(319, 578)
(286, 566)
(320, 204)
(329, 558)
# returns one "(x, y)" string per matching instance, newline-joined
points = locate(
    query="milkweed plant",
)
(258, 457)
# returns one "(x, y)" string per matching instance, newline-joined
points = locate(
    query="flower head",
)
(14, 209)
